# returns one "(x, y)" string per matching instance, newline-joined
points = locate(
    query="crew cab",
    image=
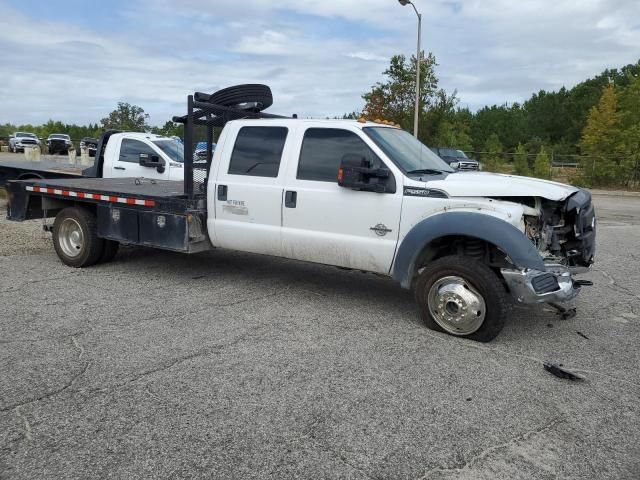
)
(352, 194)
(21, 140)
(124, 154)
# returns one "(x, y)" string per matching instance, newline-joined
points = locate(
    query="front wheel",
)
(75, 238)
(463, 297)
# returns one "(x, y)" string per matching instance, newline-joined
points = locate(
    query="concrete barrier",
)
(71, 154)
(32, 154)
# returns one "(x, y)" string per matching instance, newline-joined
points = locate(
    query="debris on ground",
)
(560, 372)
(582, 335)
(564, 313)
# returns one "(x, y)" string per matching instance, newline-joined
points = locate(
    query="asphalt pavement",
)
(231, 365)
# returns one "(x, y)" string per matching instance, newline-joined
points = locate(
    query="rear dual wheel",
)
(76, 241)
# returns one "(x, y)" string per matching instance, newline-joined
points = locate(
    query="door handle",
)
(290, 199)
(119, 168)
(222, 192)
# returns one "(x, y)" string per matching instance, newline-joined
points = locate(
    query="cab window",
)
(130, 150)
(323, 150)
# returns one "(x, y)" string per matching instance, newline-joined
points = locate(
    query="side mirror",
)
(355, 172)
(151, 161)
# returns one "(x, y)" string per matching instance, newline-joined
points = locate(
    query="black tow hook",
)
(582, 283)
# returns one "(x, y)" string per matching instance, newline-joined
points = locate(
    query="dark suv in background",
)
(456, 159)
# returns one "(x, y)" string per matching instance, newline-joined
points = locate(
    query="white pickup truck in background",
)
(353, 194)
(162, 159)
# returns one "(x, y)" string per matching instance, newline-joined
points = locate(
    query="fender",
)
(484, 227)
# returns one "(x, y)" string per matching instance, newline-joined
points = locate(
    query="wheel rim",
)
(71, 237)
(456, 305)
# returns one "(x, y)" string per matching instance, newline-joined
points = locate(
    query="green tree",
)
(542, 165)
(452, 134)
(521, 162)
(492, 154)
(601, 139)
(394, 99)
(127, 117)
(169, 129)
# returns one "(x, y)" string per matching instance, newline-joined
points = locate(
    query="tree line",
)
(595, 123)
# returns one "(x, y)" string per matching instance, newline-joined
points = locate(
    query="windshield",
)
(450, 152)
(59, 136)
(408, 153)
(24, 134)
(173, 149)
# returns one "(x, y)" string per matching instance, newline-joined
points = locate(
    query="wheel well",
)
(28, 176)
(463, 245)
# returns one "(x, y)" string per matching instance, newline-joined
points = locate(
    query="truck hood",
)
(484, 184)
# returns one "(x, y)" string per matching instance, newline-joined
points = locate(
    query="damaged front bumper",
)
(534, 286)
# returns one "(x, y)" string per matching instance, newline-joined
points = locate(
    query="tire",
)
(109, 252)
(462, 297)
(238, 94)
(75, 238)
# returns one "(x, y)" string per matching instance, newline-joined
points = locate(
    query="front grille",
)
(468, 166)
(545, 283)
(28, 142)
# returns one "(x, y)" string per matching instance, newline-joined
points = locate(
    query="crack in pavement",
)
(177, 361)
(57, 391)
(518, 438)
(26, 424)
(308, 433)
(78, 346)
(614, 283)
(43, 339)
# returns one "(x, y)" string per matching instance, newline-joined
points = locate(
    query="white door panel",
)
(250, 218)
(248, 189)
(334, 225)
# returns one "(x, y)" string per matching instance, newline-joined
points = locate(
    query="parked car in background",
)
(91, 144)
(456, 158)
(200, 152)
(124, 154)
(19, 140)
(59, 143)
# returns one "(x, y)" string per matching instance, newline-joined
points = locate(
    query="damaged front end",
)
(563, 232)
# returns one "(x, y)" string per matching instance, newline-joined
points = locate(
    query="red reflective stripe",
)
(93, 196)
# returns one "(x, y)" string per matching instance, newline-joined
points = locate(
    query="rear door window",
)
(258, 151)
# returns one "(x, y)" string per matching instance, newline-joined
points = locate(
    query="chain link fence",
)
(579, 170)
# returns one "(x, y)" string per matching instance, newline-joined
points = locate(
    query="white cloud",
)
(318, 56)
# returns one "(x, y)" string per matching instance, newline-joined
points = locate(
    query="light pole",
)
(416, 116)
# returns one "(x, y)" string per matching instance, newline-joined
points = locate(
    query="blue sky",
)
(73, 60)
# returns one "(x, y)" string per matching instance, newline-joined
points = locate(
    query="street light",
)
(404, 3)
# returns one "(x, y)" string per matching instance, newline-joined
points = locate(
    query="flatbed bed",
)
(138, 211)
(19, 169)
